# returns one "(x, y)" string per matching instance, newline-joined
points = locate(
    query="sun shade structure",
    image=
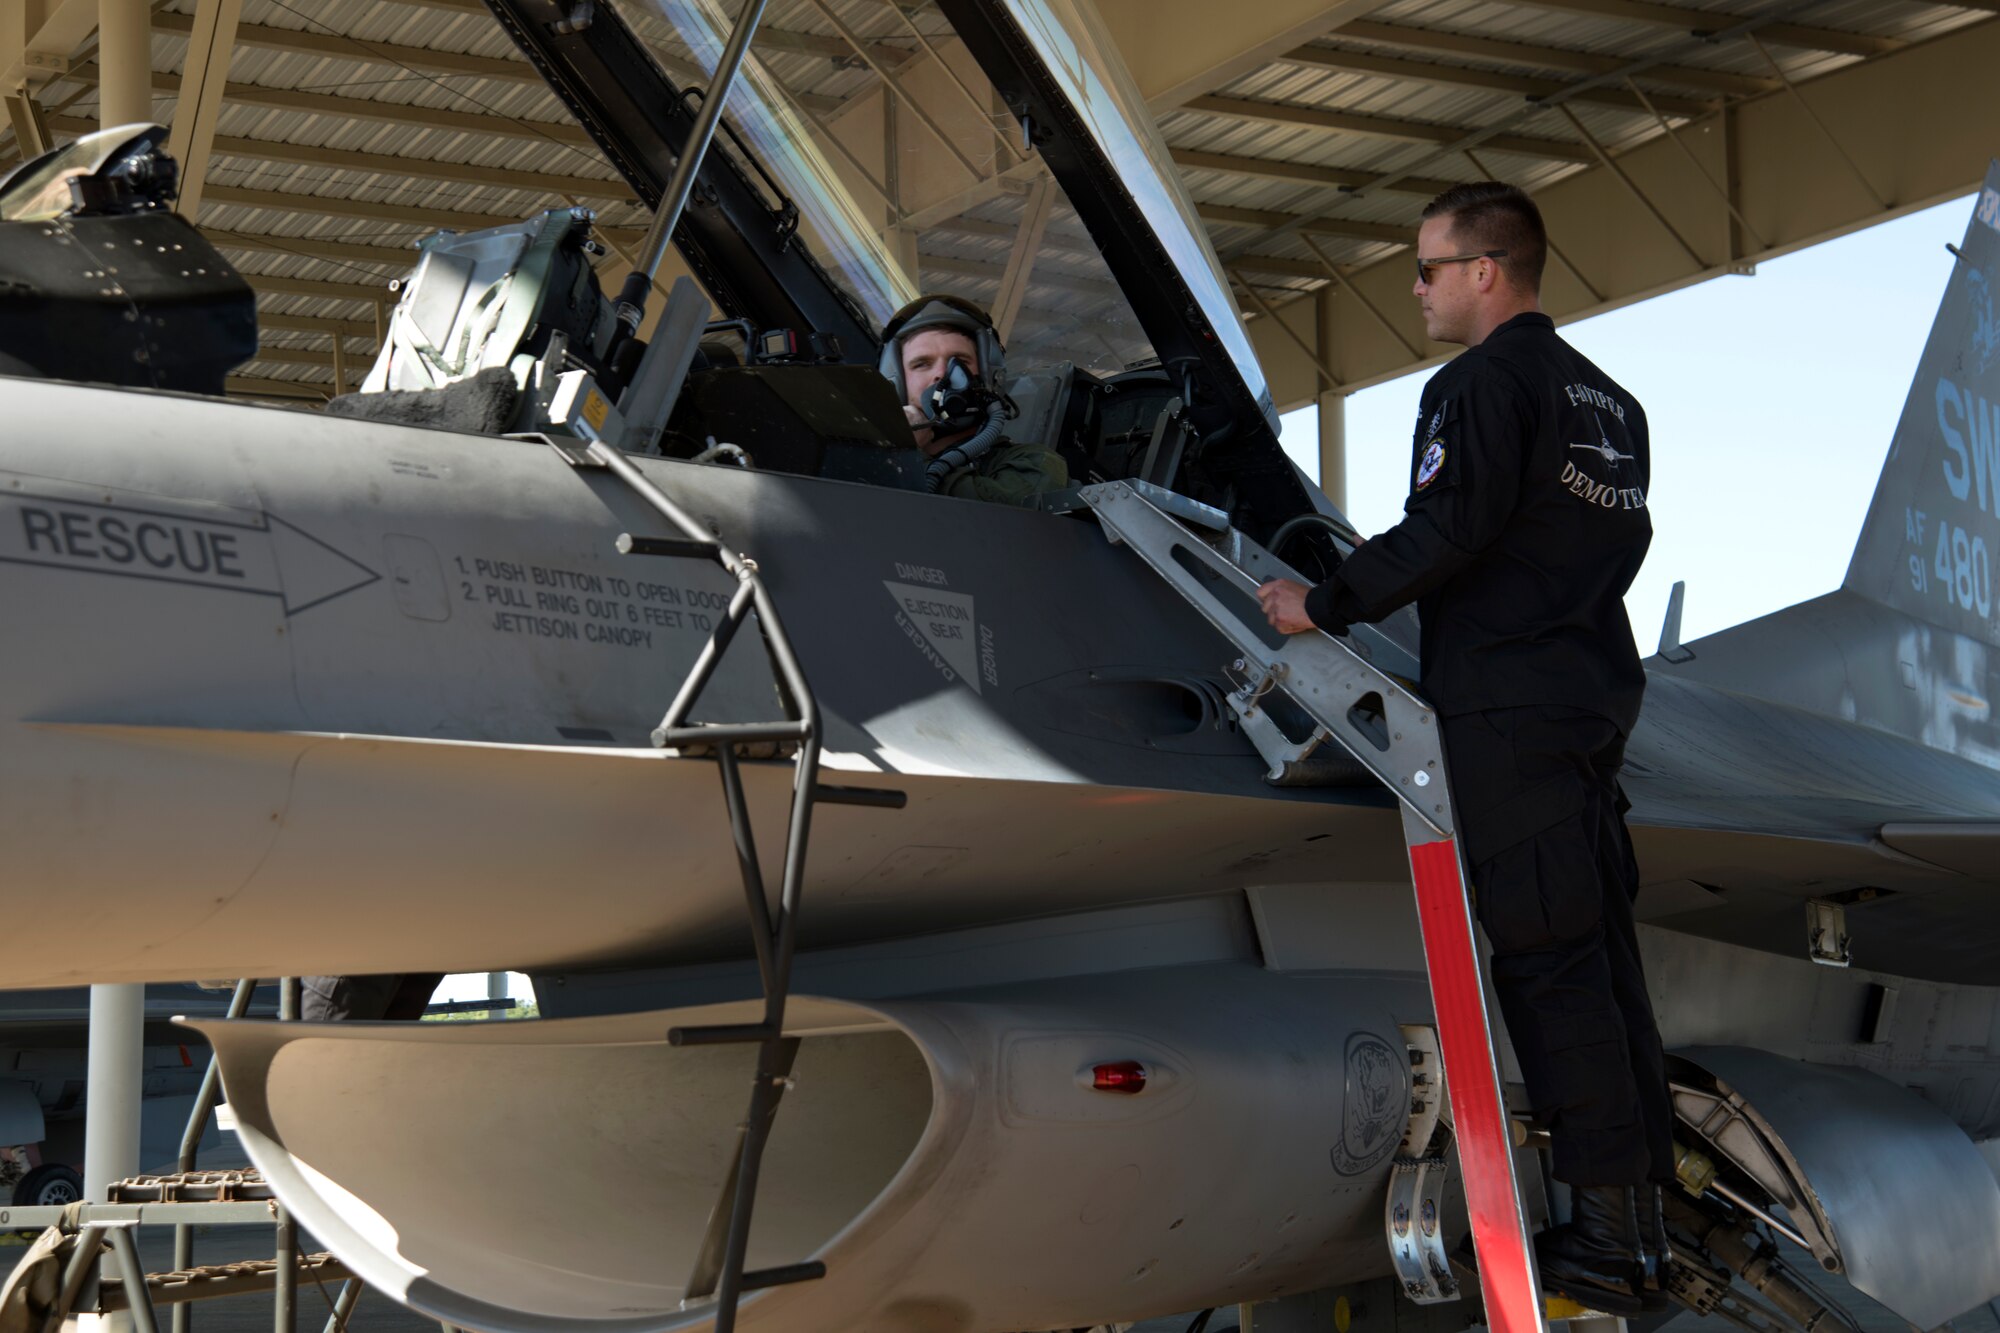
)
(1667, 144)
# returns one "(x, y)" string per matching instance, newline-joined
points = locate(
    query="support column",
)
(1333, 447)
(116, 1078)
(116, 1074)
(204, 74)
(125, 62)
(1332, 408)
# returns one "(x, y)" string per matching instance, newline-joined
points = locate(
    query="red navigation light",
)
(1126, 1076)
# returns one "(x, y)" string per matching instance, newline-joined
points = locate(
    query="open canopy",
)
(1086, 244)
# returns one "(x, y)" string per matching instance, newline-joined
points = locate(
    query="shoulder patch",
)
(1432, 461)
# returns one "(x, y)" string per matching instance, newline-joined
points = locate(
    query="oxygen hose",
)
(967, 450)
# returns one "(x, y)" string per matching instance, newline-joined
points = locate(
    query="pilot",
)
(1525, 523)
(944, 357)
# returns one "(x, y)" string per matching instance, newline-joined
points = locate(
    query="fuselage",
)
(290, 693)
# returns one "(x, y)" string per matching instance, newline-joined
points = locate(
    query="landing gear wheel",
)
(50, 1185)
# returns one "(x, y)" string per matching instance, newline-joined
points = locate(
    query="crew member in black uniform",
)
(391, 996)
(1525, 524)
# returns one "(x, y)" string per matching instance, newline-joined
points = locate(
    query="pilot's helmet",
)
(941, 310)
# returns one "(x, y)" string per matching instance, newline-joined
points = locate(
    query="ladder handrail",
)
(1407, 744)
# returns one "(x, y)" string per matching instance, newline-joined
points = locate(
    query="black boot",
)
(1595, 1258)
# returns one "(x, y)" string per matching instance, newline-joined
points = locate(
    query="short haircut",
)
(1492, 215)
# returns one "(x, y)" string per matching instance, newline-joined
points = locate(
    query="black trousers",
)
(1541, 821)
(394, 996)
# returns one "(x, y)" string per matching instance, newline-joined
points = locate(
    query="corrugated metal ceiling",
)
(351, 128)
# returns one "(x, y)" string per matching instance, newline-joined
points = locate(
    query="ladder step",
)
(683, 547)
(759, 1278)
(737, 733)
(192, 1187)
(721, 1034)
(877, 798)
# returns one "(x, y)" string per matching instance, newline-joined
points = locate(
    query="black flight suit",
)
(392, 996)
(1525, 524)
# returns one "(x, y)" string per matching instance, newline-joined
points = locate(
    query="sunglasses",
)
(1424, 266)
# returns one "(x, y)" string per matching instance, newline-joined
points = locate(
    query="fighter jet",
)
(1107, 999)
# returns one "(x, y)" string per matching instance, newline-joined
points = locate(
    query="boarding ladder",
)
(718, 1274)
(1394, 734)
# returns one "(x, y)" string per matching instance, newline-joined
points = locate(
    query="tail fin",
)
(1932, 541)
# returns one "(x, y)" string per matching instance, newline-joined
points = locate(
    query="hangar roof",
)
(1667, 144)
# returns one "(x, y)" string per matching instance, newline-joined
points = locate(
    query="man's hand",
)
(1284, 603)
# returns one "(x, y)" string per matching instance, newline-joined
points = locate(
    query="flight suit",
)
(1525, 524)
(1008, 473)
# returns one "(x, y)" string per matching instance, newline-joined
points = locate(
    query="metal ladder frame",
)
(719, 1265)
(1394, 734)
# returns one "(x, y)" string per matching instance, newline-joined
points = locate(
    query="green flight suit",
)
(1009, 473)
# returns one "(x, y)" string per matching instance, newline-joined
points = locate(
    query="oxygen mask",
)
(959, 401)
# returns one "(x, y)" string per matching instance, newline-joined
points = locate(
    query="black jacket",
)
(1526, 523)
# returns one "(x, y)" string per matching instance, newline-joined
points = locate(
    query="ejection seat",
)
(478, 316)
(1124, 428)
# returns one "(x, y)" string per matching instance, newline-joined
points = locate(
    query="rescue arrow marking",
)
(260, 554)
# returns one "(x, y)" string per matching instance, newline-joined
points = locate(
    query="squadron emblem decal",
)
(1433, 459)
(1376, 1104)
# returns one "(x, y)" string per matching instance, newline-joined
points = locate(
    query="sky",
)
(1771, 400)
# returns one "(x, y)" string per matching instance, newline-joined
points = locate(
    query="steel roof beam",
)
(251, 386)
(777, 39)
(611, 189)
(205, 72)
(313, 247)
(382, 164)
(1053, 238)
(1383, 127)
(1458, 76)
(1550, 57)
(266, 284)
(1177, 50)
(344, 328)
(1342, 227)
(292, 356)
(977, 268)
(423, 59)
(1701, 21)
(1278, 265)
(338, 46)
(361, 108)
(288, 201)
(1271, 169)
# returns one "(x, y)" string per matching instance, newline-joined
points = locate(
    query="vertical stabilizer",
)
(1933, 533)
